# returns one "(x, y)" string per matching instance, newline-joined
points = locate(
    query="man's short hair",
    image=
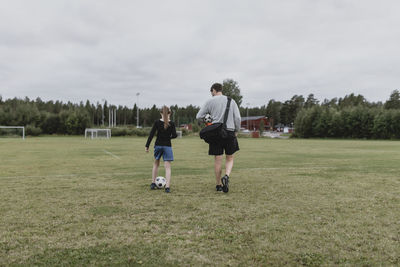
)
(217, 87)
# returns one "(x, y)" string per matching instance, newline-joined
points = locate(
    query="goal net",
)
(97, 133)
(12, 131)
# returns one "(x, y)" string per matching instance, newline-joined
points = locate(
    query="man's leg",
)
(218, 168)
(228, 164)
(228, 170)
(231, 146)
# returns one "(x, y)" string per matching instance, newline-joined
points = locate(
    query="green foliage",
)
(120, 131)
(330, 103)
(68, 118)
(354, 122)
(10, 132)
(77, 122)
(387, 124)
(352, 101)
(50, 123)
(311, 101)
(349, 117)
(394, 101)
(130, 131)
(141, 131)
(231, 88)
(184, 132)
(291, 108)
(26, 114)
(4, 117)
(361, 122)
(307, 121)
(273, 112)
(32, 130)
(195, 126)
(261, 127)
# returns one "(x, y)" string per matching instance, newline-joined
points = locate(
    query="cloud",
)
(172, 51)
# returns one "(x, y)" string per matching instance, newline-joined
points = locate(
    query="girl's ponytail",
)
(165, 112)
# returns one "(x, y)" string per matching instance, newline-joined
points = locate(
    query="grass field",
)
(71, 201)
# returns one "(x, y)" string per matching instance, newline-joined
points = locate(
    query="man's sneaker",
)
(219, 188)
(167, 190)
(225, 183)
(153, 186)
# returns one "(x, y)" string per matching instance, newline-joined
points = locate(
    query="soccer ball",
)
(207, 118)
(160, 182)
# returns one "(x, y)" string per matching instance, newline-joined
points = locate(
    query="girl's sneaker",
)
(153, 186)
(218, 188)
(167, 190)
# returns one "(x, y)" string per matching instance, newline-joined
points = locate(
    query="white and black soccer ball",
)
(207, 118)
(161, 182)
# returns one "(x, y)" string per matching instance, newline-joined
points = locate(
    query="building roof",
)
(252, 118)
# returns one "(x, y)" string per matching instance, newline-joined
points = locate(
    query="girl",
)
(165, 132)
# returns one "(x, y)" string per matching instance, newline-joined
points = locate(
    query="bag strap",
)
(227, 110)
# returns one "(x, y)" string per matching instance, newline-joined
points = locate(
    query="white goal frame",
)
(94, 133)
(15, 127)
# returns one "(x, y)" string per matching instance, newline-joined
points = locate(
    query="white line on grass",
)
(111, 154)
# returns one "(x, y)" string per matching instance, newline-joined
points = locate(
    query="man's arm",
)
(202, 112)
(236, 117)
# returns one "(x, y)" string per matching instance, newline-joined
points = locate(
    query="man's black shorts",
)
(230, 145)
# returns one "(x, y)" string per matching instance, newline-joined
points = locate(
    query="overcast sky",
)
(172, 51)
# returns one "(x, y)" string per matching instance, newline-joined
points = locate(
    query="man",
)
(216, 108)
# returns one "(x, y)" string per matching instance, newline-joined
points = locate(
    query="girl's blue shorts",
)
(165, 152)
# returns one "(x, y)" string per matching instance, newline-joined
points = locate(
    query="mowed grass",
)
(71, 201)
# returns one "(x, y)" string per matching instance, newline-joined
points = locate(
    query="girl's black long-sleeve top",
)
(164, 136)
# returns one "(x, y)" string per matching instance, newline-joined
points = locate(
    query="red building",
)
(253, 123)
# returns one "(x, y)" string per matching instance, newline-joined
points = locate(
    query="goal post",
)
(94, 133)
(14, 127)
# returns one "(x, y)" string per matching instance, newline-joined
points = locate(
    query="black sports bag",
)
(216, 131)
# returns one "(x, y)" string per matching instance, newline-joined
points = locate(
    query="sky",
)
(171, 51)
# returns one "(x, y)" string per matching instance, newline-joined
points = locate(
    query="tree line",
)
(349, 117)
(57, 117)
(352, 117)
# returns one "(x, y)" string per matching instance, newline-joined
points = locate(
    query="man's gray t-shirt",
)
(216, 108)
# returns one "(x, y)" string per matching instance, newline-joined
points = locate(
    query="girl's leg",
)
(155, 169)
(167, 165)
